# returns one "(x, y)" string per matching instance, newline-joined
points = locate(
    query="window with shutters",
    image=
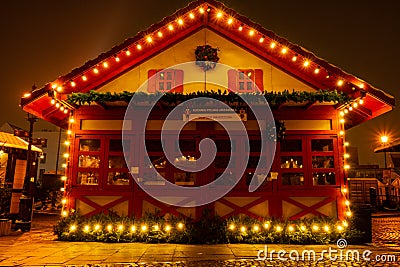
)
(245, 80)
(169, 80)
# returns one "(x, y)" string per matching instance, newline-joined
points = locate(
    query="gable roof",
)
(213, 15)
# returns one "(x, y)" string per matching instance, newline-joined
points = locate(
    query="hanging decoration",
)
(206, 57)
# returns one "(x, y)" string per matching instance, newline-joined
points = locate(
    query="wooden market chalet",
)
(308, 172)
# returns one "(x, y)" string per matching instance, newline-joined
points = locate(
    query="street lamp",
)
(384, 140)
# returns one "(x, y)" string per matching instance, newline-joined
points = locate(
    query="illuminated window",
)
(245, 80)
(170, 80)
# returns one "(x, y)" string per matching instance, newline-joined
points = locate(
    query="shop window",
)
(89, 161)
(117, 169)
(292, 178)
(225, 145)
(291, 145)
(291, 162)
(324, 178)
(89, 145)
(322, 145)
(88, 178)
(324, 162)
(243, 80)
(185, 178)
(169, 80)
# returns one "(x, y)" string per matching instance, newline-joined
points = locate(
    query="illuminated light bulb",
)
(87, 228)
(109, 227)
(345, 224)
(361, 102)
(341, 113)
(361, 86)
(350, 108)
(117, 59)
(65, 111)
(256, 228)
(219, 14)
(251, 32)
(231, 227)
(346, 156)
(279, 228)
(291, 228)
(346, 167)
(266, 225)
(65, 213)
(303, 228)
(167, 228)
(294, 58)
(170, 27)
(156, 227)
(242, 229)
(240, 28)
(62, 108)
(306, 63)
(261, 40)
(62, 189)
(180, 21)
(315, 227)
(316, 71)
(64, 165)
(180, 225)
(159, 34)
(143, 228)
(340, 83)
(128, 53)
(96, 70)
(59, 89)
(66, 155)
(64, 201)
(71, 120)
(58, 105)
(201, 10)
(348, 213)
(73, 84)
(63, 178)
(272, 45)
(339, 228)
(120, 227)
(149, 39)
(133, 228)
(284, 50)
(230, 21)
(53, 101)
(84, 78)
(326, 228)
(139, 47)
(344, 190)
(69, 132)
(54, 86)
(72, 228)
(346, 143)
(191, 15)
(341, 132)
(355, 104)
(342, 120)
(346, 111)
(347, 203)
(97, 227)
(328, 76)
(105, 65)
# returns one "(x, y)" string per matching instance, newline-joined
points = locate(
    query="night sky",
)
(44, 39)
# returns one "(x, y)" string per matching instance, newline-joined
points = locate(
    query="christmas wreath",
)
(206, 57)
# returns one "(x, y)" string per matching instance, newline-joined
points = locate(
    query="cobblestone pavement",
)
(38, 248)
(386, 231)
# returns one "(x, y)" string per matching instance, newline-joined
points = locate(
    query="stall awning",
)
(9, 140)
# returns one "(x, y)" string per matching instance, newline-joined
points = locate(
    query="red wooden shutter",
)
(232, 80)
(152, 83)
(258, 79)
(178, 81)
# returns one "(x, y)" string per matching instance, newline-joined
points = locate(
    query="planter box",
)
(5, 227)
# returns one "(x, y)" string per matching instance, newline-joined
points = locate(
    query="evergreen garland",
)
(273, 98)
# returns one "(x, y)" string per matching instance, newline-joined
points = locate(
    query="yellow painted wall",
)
(230, 54)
